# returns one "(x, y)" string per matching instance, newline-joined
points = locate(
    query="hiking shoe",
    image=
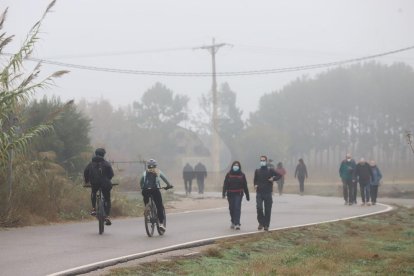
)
(93, 212)
(368, 203)
(108, 221)
(266, 228)
(260, 227)
(162, 227)
(232, 226)
(237, 227)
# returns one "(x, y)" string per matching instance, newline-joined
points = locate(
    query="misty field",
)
(376, 245)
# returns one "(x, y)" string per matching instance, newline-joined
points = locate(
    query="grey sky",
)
(264, 34)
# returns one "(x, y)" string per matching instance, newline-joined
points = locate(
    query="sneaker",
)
(260, 227)
(350, 203)
(237, 227)
(266, 228)
(363, 204)
(232, 226)
(108, 221)
(373, 203)
(346, 203)
(368, 204)
(93, 212)
(162, 227)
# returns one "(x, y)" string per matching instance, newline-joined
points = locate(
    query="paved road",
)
(44, 250)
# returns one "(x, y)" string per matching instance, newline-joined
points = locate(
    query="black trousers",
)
(156, 194)
(106, 192)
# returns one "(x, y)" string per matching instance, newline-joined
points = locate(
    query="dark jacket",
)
(301, 171)
(261, 179)
(200, 171)
(188, 172)
(377, 176)
(107, 171)
(347, 169)
(363, 173)
(235, 182)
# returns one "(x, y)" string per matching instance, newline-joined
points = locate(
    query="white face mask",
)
(262, 163)
(349, 159)
(236, 168)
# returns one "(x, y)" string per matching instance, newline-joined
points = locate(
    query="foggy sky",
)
(264, 34)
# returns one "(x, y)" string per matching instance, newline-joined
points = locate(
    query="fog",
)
(161, 36)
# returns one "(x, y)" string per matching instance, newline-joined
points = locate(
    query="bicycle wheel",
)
(150, 217)
(161, 232)
(100, 214)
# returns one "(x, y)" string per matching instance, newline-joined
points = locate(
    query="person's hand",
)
(169, 187)
(255, 187)
(271, 179)
(248, 198)
(224, 195)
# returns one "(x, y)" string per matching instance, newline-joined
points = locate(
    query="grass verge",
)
(376, 245)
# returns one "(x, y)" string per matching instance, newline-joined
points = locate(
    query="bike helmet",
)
(100, 152)
(151, 164)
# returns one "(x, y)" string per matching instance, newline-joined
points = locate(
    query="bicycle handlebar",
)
(159, 188)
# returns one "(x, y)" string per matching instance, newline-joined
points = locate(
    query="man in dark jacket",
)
(263, 184)
(364, 175)
(188, 175)
(200, 172)
(346, 172)
(99, 174)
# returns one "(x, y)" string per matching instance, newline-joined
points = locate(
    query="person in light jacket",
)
(375, 182)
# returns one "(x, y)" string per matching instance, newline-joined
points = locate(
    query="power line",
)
(223, 74)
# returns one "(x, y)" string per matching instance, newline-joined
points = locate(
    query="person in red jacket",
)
(235, 186)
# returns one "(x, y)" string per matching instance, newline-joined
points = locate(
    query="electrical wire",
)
(223, 74)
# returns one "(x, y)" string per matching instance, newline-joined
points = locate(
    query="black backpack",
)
(96, 173)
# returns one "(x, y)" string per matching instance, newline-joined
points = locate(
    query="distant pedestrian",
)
(200, 172)
(363, 174)
(375, 182)
(188, 176)
(263, 184)
(281, 182)
(234, 187)
(346, 172)
(301, 173)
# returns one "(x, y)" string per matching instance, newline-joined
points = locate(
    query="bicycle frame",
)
(151, 217)
(100, 211)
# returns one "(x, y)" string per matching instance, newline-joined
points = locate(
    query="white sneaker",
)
(162, 227)
(237, 227)
(232, 226)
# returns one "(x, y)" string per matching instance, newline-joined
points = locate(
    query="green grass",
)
(376, 245)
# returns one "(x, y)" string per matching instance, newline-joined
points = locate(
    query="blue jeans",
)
(235, 200)
(263, 214)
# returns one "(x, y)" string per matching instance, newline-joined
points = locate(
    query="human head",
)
(301, 161)
(263, 160)
(280, 165)
(372, 163)
(151, 164)
(348, 156)
(362, 160)
(100, 152)
(235, 163)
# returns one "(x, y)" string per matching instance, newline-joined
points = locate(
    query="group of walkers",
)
(235, 187)
(368, 175)
(199, 172)
(99, 173)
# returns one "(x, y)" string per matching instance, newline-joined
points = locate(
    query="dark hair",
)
(279, 165)
(301, 161)
(232, 164)
(263, 156)
(100, 152)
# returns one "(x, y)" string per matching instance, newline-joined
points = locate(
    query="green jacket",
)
(346, 170)
(157, 183)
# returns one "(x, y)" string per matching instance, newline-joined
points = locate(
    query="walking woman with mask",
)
(235, 186)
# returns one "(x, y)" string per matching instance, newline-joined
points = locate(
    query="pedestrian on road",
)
(281, 182)
(301, 173)
(200, 174)
(188, 176)
(234, 187)
(363, 174)
(376, 178)
(263, 184)
(346, 172)
(99, 174)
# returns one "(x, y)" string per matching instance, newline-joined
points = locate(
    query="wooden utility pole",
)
(213, 48)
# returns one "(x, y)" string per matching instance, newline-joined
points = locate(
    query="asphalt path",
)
(72, 248)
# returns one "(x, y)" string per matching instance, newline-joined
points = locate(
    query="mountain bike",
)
(151, 216)
(100, 208)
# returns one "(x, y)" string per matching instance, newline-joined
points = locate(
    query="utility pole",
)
(213, 48)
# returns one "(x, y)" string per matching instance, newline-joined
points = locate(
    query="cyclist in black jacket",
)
(263, 184)
(235, 185)
(103, 179)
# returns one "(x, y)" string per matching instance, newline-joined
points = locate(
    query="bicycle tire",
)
(161, 232)
(100, 214)
(150, 218)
